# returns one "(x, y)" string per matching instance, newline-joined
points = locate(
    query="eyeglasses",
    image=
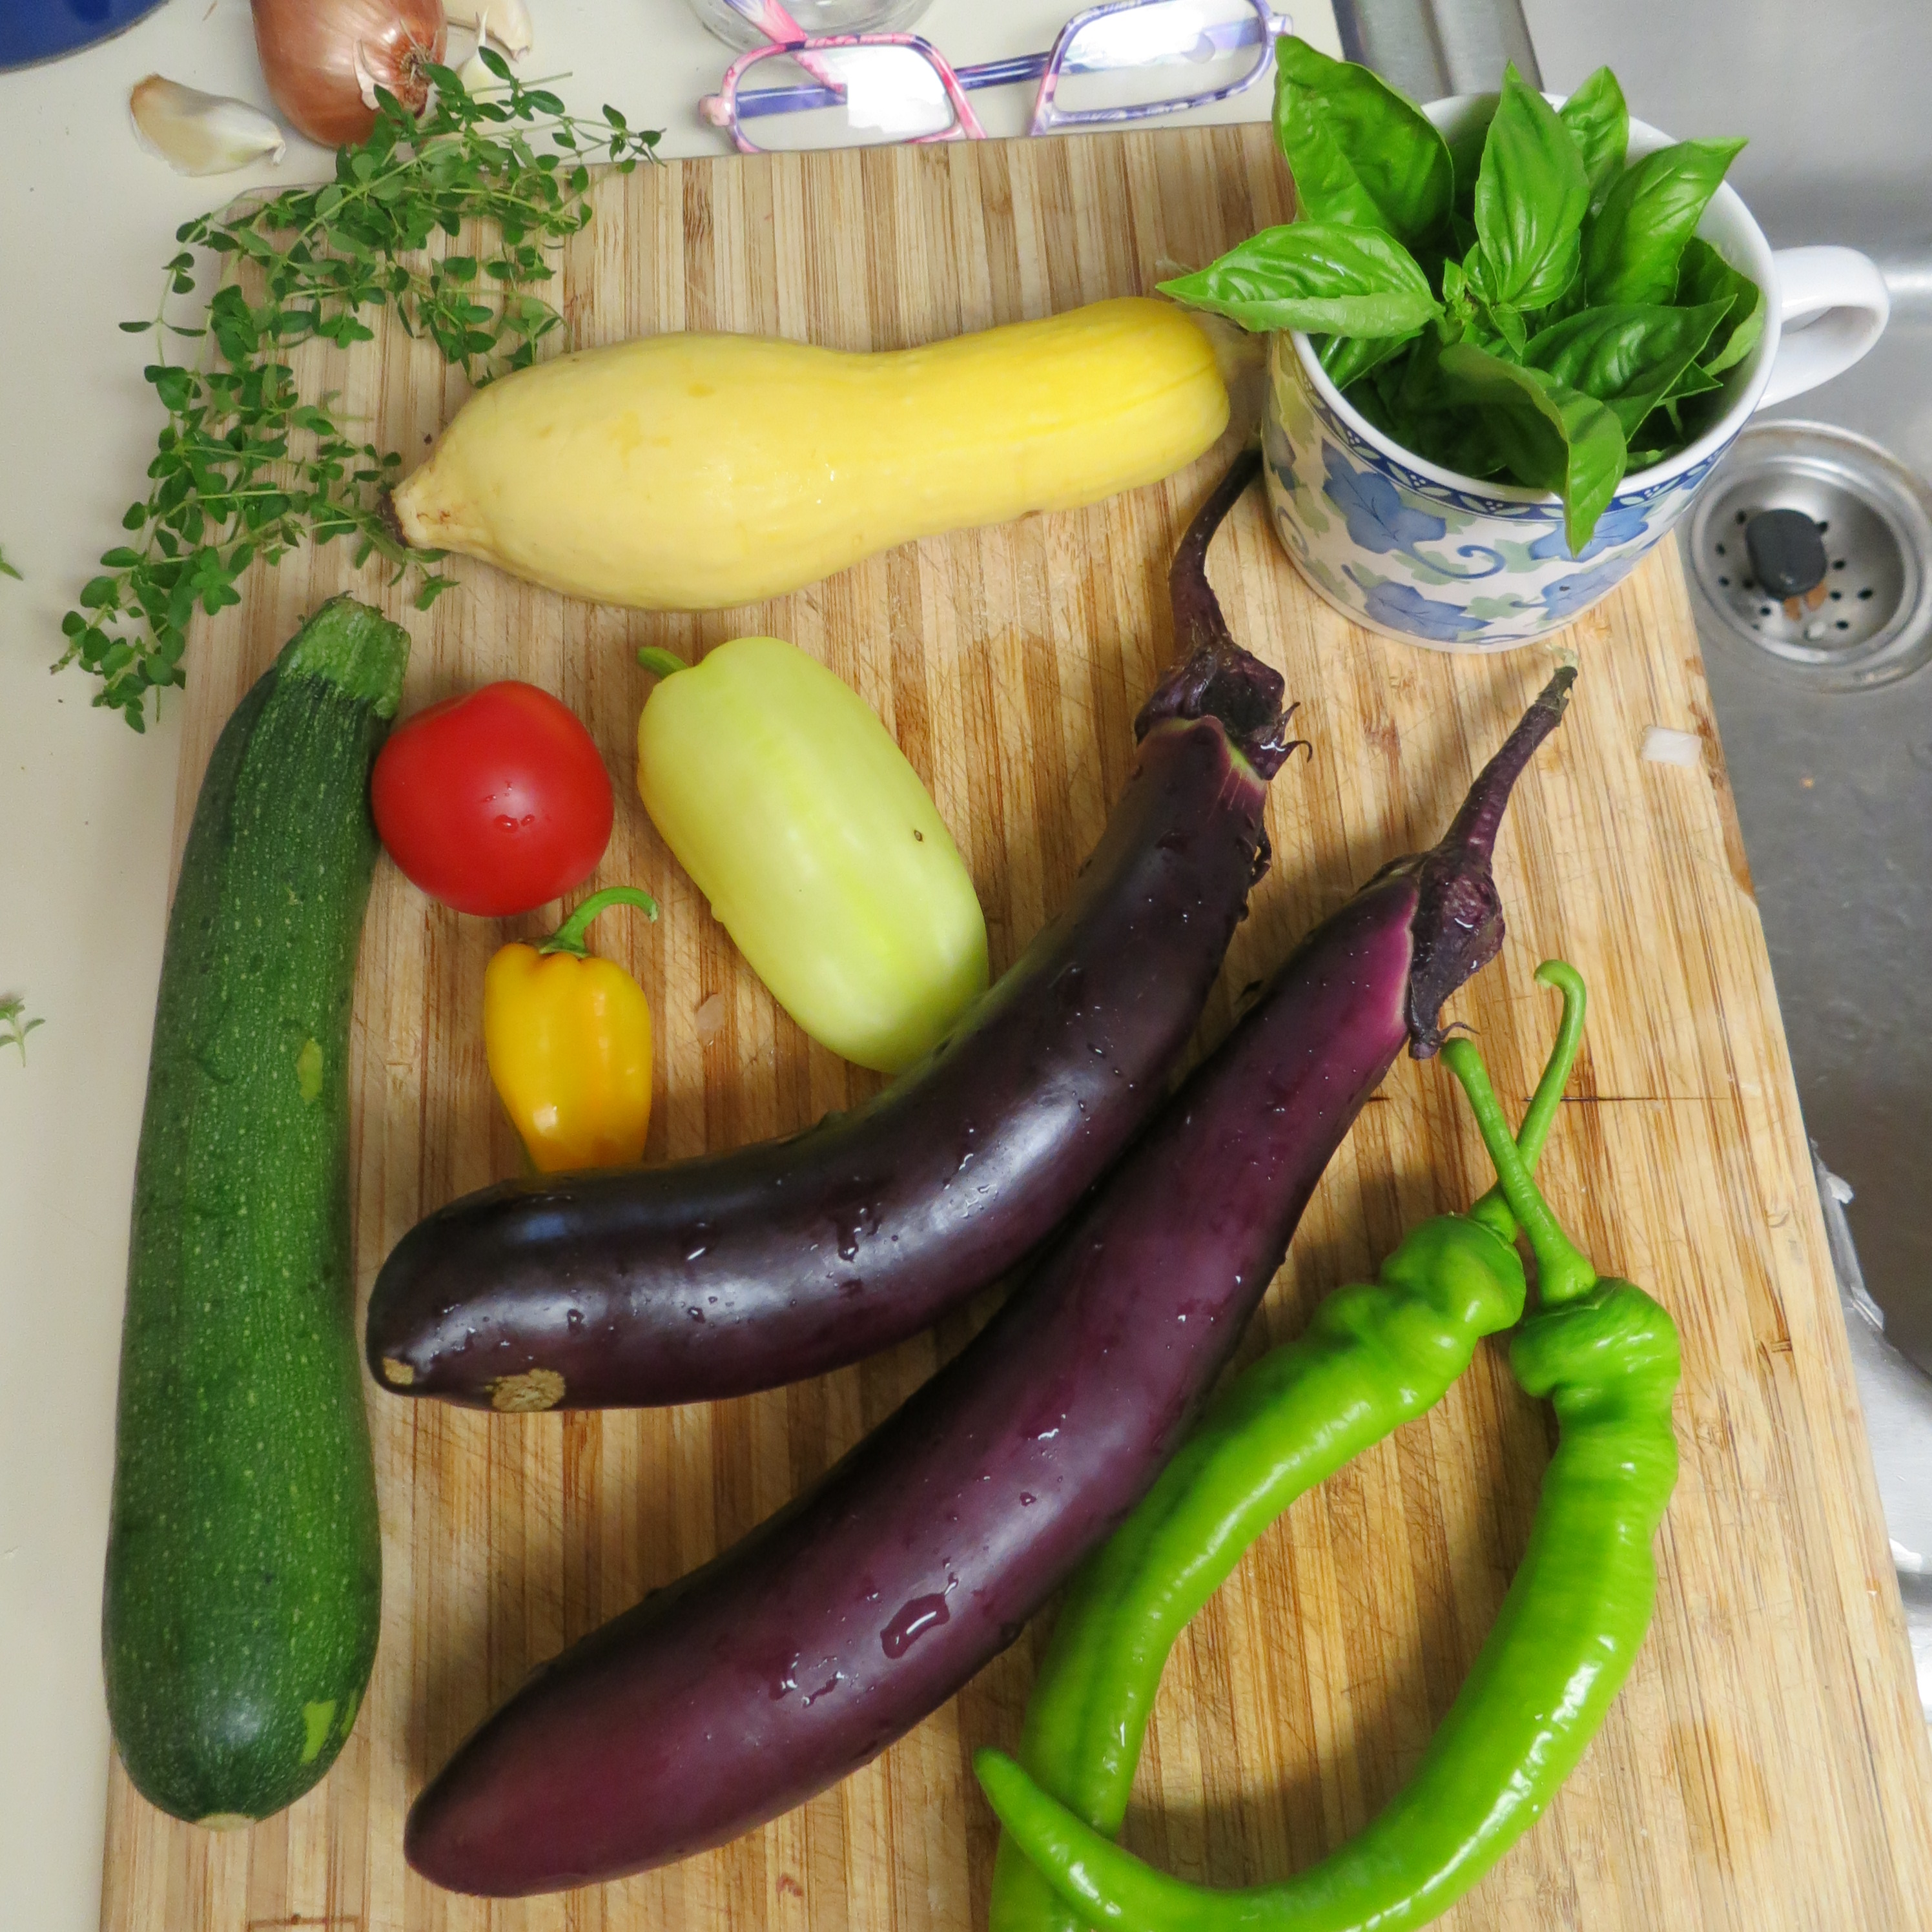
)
(1122, 61)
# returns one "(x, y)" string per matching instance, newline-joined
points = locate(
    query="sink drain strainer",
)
(1852, 611)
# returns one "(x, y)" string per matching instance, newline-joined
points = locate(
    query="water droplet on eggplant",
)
(912, 1622)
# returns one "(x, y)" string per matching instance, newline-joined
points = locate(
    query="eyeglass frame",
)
(720, 108)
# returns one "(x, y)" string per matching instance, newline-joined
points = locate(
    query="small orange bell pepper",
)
(567, 1036)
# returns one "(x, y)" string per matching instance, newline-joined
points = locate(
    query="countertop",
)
(86, 805)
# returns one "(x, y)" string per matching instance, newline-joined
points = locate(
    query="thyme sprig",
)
(248, 466)
(15, 1025)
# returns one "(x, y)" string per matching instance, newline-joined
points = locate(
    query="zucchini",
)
(244, 1563)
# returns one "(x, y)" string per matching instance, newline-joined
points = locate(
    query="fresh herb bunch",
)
(248, 466)
(1518, 303)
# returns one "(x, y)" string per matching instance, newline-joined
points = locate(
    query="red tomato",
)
(495, 802)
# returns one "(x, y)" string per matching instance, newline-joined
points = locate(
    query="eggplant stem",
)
(1474, 828)
(1198, 618)
(1458, 927)
(1212, 676)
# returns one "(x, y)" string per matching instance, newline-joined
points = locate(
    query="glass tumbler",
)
(815, 16)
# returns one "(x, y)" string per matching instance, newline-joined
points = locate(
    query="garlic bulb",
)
(198, 133)
(506, 21)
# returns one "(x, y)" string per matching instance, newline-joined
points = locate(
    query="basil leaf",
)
(1468, 315)
(1324, 276)
(1694, 381)
(1360, 153)
(1511, 327)
(1465, 150)
(1531, 195)
(1348, 358)
(1703, 275)
(1694, 404)
(1629, 356)
(1565, 305)
(1366, 399)
(1599, 123)
(1634, 243)
(1421, 417)
(1550, 436)
(1416, 387)
(1454, 438)
(1460, 439)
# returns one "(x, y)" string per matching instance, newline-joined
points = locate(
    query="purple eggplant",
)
(738, 1271)
(801, 1652)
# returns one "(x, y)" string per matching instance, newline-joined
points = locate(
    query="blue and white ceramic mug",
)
(1420, 553)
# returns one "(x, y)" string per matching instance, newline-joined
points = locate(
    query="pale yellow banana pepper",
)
(569, 1040)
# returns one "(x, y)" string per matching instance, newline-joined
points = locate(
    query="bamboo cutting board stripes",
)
(1767, 1766)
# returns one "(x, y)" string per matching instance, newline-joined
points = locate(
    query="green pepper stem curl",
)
(1563, 1269)
(1492, 1209)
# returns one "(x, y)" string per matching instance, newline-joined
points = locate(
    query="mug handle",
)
(1833, 304)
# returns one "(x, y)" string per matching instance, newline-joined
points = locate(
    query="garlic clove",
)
(198, 133)
(475, 77)
(506, 21)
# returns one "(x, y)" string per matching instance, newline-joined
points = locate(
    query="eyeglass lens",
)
(889, 93)
(1169, 51)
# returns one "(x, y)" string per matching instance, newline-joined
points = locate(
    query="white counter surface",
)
(86, 806)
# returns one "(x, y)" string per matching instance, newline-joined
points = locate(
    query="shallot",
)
(324, 60)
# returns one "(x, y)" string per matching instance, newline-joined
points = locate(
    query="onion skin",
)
(309, 51)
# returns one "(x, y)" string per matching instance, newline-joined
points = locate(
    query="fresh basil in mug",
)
(1523, 302)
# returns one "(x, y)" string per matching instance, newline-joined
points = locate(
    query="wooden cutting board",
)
(1767, 1766)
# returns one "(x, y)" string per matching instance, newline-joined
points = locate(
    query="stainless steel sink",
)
(1834, 785)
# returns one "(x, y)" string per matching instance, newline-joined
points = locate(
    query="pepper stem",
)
(662, 663)
(1564, 1269)
(1492, 1210)
(568, 937)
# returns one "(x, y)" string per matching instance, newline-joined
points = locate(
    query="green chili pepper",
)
(1606, 1356)
(1375, 1355)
